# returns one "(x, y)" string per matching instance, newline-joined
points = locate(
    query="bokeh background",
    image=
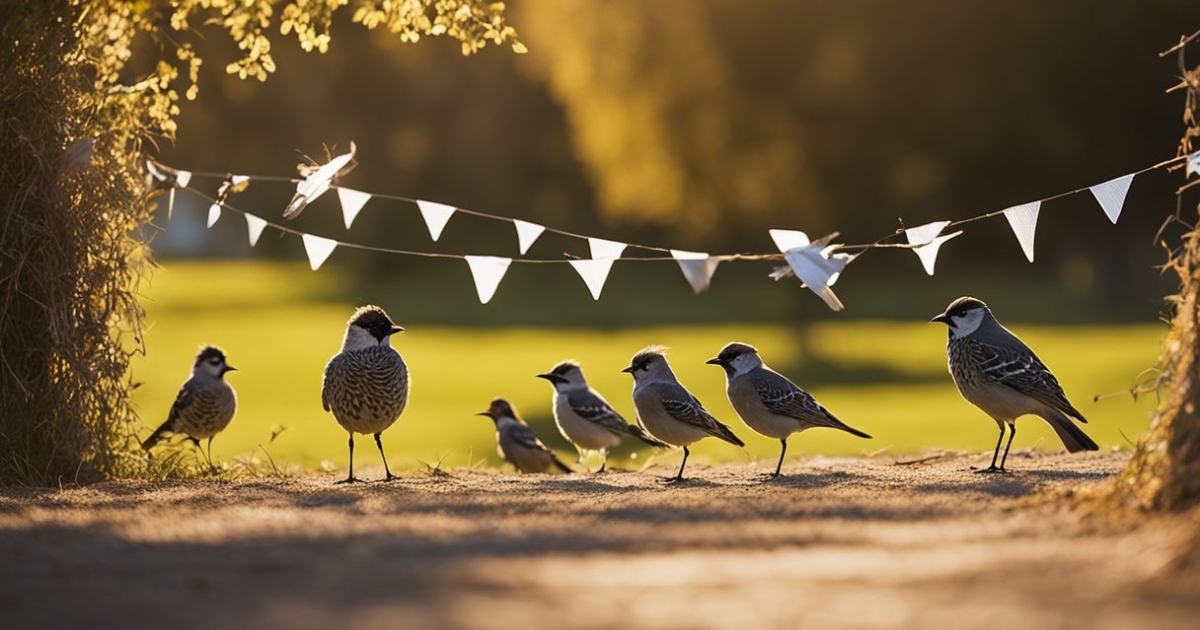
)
(691, 124)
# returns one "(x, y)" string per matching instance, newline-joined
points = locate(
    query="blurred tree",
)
(83, 83)
(662, 122)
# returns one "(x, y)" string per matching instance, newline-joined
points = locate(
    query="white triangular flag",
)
(1023, 220)
(1193, 163)
(1111, 195)
(595, 271)
(318, 249)
(436, 215)
(214, 213)
(594, 274)
(927, 239)
(527, 233)
(697, 267)
(254, 228)
(352, 203)
(605, 249)
(487, 271)
(316, 183)
(182, 178)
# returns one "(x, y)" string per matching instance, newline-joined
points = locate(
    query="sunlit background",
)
(693, 125)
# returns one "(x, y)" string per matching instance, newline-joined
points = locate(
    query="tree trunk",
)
(1164, 473)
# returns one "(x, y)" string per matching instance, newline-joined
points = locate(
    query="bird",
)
(997, 372)
(318, 178)
(366, 384)
(585, 418)
(665, 408)
(204, 405)
(517, 444)
(767, 401)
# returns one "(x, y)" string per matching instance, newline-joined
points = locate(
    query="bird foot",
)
(991, 470)
(671, 481)
(389, 477)
(348, 480)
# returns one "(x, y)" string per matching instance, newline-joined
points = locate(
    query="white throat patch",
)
(963, 325)
(358, 338)
(745, 363)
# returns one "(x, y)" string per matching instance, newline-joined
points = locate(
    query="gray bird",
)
(517, 444)
(666, 410)
(204, 405)
(585, 418)
(767, 401)
(997, 372)
(366, 384)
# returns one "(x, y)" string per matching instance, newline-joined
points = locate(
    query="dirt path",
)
(835, 543)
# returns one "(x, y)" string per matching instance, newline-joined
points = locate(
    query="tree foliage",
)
(83, 84)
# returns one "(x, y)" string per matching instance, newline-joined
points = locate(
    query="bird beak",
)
(484, 413)
(629, 369)
(230, 368)
(943, 318)
(396, 329)
(548, 377)
(714, 361)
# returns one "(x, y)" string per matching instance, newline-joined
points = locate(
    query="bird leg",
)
(1012, 433)
(604, 460)
(679, 476)
(351, 478)
(996, 453)
(208, 456)
(379, 443)
(779, 466)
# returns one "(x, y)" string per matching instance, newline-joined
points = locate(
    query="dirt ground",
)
(833, 543)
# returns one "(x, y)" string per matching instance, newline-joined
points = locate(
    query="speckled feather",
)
(973, 360)
(366, 389)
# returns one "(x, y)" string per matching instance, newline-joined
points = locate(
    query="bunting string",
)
(816, 263)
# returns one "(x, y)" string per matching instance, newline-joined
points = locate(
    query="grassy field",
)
(886, 378)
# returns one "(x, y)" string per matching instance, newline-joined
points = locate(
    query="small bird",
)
(666, 410)
(366, 384)
(204, 405)
(584, 417)
(997, 372)
(516, 442)
(767, 401)
(318, 178)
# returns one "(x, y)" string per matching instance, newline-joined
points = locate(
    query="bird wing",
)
(782, 397)
(1015, 365)
(183, 400)
(524, 436)
(686, 408)
(592, 407)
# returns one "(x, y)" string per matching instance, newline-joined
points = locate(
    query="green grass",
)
(279, 327)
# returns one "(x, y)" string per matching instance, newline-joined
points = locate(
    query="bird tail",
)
(156, 436)
(1071, 435)
(561, 466)
(641, 434)
(834, 423)
(723, 432)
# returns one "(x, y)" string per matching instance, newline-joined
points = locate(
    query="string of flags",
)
(816, 263)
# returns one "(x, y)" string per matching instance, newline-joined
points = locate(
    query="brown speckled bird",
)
(517, 444)
(366, 384)
(204, 405)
